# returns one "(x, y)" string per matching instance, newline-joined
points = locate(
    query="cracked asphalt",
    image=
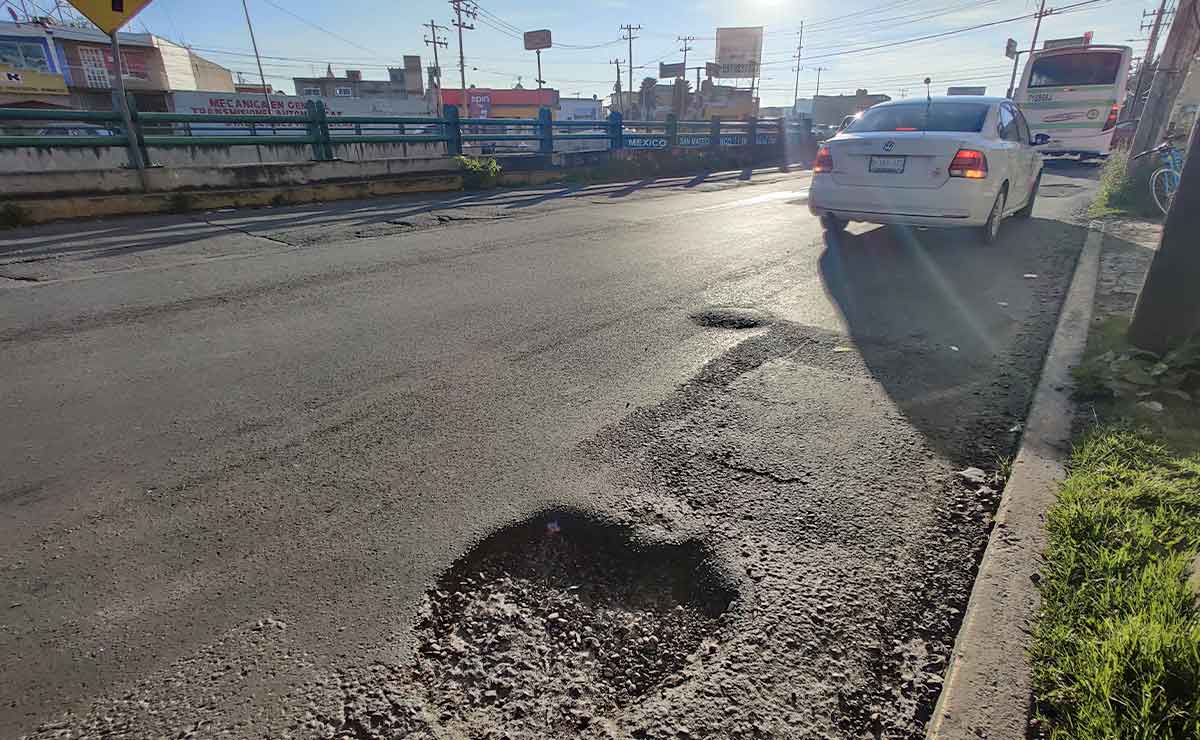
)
(249, 458)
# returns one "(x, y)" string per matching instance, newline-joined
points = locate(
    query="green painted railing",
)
(321, 132)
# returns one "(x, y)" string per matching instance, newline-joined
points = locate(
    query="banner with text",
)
(739, 51)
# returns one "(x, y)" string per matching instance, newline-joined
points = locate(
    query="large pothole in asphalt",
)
(730, 317)
(546, 629)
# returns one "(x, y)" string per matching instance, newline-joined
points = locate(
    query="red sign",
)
(504, 96)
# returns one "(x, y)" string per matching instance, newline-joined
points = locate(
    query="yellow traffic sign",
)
(109, 15)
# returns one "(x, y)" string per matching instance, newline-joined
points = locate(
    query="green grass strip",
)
(1116, 650)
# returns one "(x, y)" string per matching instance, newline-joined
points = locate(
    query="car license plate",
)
(893, 165)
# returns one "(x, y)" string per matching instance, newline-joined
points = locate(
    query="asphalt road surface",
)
(239, 448)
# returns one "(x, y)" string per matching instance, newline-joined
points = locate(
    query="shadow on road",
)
(953, 330)
(137, 234)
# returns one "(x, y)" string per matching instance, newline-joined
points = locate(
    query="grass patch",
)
(479, 173)
(1116, 651)
(1121, 195)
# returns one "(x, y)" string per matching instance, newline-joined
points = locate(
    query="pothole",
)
(1058, 190)
(544, 629)
(730, 317)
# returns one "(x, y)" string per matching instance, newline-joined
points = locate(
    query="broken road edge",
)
(988, 685)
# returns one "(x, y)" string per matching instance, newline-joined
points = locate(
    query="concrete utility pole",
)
(1147, 60)
(627, 34)
(461, 8)
(620, 103)
(1183, 41)
(799, 47)
(434, 41)
(818, 92)
(1168, 308)
(1037, 27)
(685, 49)
(261, 77)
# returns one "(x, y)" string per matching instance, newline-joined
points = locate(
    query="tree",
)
(646, 95)
(1168, 308)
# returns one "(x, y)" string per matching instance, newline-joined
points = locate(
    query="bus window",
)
(1091, 68)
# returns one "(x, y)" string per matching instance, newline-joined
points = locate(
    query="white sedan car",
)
(942, 162)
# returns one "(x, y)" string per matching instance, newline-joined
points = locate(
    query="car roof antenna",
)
(928, 103)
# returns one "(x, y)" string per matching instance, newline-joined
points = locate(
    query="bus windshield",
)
(1082, 68)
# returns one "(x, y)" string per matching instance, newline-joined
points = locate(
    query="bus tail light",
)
(1112, 117)
(969, 163)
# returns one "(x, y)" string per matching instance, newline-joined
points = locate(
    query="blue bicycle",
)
(1165, 180)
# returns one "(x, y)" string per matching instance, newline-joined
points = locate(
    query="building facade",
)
(485, 102)
(831, 109)
(59, 66)
(402, 83)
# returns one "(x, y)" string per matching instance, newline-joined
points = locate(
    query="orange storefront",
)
(482, 102)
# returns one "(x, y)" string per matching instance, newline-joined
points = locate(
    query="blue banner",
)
(694, 141)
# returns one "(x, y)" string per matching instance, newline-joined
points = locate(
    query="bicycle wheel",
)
(1162, 185)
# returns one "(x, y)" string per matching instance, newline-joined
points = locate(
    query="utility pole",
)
(799, 47)
(1182, 41)
(685, 49)
(1038, 26)
(627, 34)
(261, 77)
(1168, 308)
(818, 92)
(461, 8)
(620, 103)
(1147, 59)
(433, 40)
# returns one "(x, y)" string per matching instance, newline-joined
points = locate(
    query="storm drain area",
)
(548, 628)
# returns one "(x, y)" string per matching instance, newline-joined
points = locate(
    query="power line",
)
(942, 34)
(319, 27)
(469, 9)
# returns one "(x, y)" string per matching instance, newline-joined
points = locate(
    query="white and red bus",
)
(1073, 95)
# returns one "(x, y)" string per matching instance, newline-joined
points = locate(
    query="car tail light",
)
(824, 161)
(1112, 118)
(969, 163)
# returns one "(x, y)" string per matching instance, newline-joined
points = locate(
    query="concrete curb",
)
(988, 681)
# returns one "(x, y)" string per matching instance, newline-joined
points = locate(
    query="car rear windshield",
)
(1083, 68)
(915, 117)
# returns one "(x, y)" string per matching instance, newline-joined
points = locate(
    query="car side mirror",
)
(1040, 139)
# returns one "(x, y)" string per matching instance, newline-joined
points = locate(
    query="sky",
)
(300, 37)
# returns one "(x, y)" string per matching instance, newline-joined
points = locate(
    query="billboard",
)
(739, 51)
(30, 81)
(671, 70)
(537, 39)
(245, 104)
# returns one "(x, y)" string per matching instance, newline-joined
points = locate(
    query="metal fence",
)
(63, 128)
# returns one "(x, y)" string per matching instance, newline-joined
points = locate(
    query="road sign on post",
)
(109, 15)
(666, 71)
(1010, 49)
(535, 40)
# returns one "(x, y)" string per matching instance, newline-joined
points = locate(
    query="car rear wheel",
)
(833, 224)
(991, 229)
(1027, 209)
